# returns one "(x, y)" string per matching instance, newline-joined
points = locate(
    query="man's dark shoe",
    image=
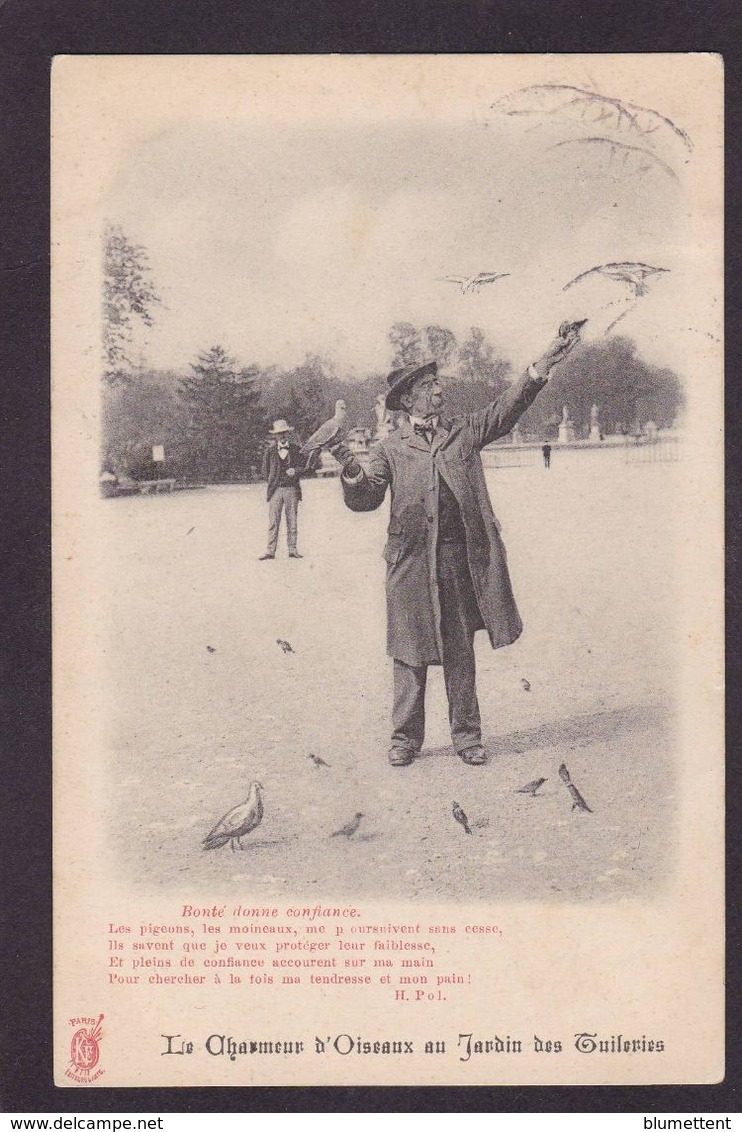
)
(266, 557)
(295, 554)
(401, 756)
(473, 756)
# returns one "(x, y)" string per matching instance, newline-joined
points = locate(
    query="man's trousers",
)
(460, 618)
(287, 497)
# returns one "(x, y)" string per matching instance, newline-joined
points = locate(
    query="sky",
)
(279, 240)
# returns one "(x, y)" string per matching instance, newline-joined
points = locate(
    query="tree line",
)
(213, 421)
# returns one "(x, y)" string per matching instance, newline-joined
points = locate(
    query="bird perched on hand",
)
(474, 282)
(327, 431)
(632, 274)
(526, 685)
(349, 828)
(317, 760)
(578, 802)
(238, 822)
(567, 328)
(532, 788)
(284, 645)
(461, 817)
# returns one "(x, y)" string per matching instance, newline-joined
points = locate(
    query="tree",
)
(129, 297)
(406, 344)
(225, 421)
(477, 360)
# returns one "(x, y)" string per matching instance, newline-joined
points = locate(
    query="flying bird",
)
(349, 828)
(474, 282)
(526, 685)
(284, 645)
(461, 817)
(327, 431)
(532, 788)
(578, 802)
(634, 275)
(317, 760)
(238, 822)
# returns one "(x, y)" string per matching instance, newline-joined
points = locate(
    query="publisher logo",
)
(85, 1050)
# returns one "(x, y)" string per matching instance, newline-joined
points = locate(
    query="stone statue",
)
(384, 418)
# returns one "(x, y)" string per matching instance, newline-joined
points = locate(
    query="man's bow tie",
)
(426, 431)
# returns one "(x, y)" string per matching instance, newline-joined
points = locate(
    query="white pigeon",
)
(474, 282)
(632, 274)
(327, 431)
(238, 822)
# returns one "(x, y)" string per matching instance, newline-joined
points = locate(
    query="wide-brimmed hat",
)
(400, 379)
(280, 426)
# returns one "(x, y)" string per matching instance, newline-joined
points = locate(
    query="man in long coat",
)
(283, 466)
(447, 573)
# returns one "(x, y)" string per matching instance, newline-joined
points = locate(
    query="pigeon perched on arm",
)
(238, 822)
(461, 817)
(327, 431)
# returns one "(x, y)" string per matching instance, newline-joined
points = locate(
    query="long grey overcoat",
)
(405, 463)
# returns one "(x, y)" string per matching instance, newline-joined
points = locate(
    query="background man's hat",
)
(280, 426)
(400, 379)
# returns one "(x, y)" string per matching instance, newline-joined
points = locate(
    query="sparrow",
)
(461, 817)
(349, 828)
(317, 760)
(327, 431)
(578, 802)
(209, 648)
(474, 282)
(526, 685)
(237, 822)
(284, 645)
(531, 788)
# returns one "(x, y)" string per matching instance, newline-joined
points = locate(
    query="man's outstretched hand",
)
(562, 345)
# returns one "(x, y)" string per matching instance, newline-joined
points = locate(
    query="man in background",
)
(283, 465)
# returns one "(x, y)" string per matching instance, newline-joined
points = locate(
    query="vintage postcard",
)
(387, 482)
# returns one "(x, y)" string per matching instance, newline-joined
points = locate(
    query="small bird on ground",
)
(189, 531)
(532, 788)
(238, 822)
(284, 645)
(526, 685)
(349, 828)
(210, 648)
(567, 328)
(327, 431)
(474, 282)
(578, 802)
(461, 817)
(317, 760)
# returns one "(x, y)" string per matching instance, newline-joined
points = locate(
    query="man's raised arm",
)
(362, 491)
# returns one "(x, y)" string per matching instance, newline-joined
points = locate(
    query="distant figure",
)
(283, 464)
(546, 453)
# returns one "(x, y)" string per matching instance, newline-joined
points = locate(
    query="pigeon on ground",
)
(634, 275)
(474, 282)
(531, 788)
(317, 760)
(526, 685)
(578, 802)
(284, 645)
(210, 648)
(327, 431)
(238, 822)
(461, 817)
(349, 828)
